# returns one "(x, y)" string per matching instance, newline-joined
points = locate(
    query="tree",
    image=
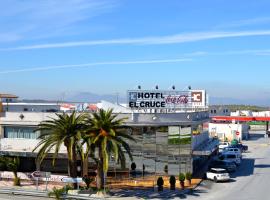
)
(65, 129)
(11, 164)
(109, 138)
(86, 149)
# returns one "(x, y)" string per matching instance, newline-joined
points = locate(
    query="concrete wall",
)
(22, 145)
(24, 118)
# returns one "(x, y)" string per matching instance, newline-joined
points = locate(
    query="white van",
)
(223, 145)
(231, 157)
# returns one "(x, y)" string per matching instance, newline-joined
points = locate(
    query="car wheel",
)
(215, 179)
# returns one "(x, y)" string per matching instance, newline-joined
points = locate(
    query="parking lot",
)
(251, 179)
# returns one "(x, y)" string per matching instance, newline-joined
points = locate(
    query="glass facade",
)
(20, 132)
(162, 151)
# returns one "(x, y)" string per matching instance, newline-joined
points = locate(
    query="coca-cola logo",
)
(176, 99)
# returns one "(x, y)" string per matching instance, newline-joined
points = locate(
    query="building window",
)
(20, 132)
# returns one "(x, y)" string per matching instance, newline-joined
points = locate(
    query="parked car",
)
(232, 150)
(242, 147)
(224, 164)
(223, 145)
(231, 157)
(217, 174)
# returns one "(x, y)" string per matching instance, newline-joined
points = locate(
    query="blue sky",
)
(48, 48)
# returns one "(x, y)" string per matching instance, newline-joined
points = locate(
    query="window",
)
(20, 132)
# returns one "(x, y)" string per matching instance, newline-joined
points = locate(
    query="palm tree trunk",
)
(100, 172)
(72, 165)
(85, 166)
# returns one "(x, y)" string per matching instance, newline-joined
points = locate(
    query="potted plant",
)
(172, 182)
(160, 183)
(133, 168)
(188, 177)
(182, 180)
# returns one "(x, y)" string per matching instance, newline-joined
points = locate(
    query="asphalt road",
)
(251, 181)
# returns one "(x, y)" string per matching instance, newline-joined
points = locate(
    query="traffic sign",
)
(237, 133)
(40, 174)
(71, 180)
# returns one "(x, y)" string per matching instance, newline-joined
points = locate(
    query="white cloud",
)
(33, 19)
(255, 52)
(137, 62)
(156, 40)
(245, 22)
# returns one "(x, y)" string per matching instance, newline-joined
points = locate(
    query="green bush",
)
(188, 176)
(175, 141)
(182, 177)
(87, 180)
(56, 193)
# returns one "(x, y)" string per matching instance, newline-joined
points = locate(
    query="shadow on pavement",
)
(255, 136)
(245, 169)
(150, 194)
(262, 166)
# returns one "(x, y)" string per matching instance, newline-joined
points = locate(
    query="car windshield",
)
(221, 171)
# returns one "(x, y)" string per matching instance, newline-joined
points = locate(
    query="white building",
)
(177, 140)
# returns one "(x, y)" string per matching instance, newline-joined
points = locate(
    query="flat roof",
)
(11, 96)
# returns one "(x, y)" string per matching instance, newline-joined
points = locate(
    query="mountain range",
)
(94, 98)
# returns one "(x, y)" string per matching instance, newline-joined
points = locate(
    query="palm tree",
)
(65, 130)
(109, 138)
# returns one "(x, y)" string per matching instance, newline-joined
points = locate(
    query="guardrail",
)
(15, 191)
(36, 193)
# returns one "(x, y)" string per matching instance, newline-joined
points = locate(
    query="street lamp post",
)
(78, 173)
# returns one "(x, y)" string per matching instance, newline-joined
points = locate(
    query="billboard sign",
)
(167, 99)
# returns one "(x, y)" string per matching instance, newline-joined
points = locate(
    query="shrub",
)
(160, 181)
(166, 169)
(87, 180)
(182, 177)
(172, 180)
(133, 166)
(57, 193)
(188, 176)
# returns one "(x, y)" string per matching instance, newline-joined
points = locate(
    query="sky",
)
(50, 48)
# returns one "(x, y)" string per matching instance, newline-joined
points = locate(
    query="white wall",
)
(227, 130)
(29, 118)
(22, 145)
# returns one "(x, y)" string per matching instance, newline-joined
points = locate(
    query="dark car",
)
(224, 164)
(242, 147)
